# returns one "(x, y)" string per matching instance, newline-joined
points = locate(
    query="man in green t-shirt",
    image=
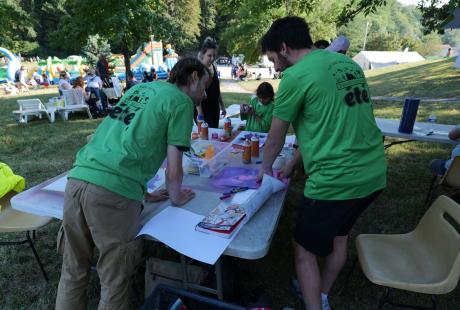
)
(325, 96)
(103, 197)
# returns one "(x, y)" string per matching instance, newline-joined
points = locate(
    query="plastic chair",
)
(450, 179)
(426, 260)
(16, 221)
(73, 101)
(32, 107)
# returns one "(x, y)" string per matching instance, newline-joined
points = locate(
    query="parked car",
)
(223, 61)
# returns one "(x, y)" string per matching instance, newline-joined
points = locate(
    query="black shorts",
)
(318, 222)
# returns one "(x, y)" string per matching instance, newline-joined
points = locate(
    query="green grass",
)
(40, 150)
(428, 79)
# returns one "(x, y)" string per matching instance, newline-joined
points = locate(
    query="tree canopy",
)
(63, 27)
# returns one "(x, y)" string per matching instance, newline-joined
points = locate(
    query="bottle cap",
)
(200, 117)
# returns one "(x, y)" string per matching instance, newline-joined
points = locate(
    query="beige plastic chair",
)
(16, 221)
(426, 260)
(450, 179)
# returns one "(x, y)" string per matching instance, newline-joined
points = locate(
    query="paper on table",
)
(175, 227)
(157, 181)
(58, 185)
(269, 186)
(241, 197)
(289, 141)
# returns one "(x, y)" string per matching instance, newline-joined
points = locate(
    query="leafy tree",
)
(184, 22)
(435, 13)
(430, 45)
(253, 18)
(384, 42)
(402, 22)
(45, 15)
(208, 19)
(125, 24)
(95, 46)
(18, 33)
(451, 37)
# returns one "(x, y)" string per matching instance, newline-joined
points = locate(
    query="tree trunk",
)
(127, 58)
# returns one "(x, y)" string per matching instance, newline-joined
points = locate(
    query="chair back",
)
(73, 97)
(452, 176)
(116, 86)
(30, 105)
(438, 233)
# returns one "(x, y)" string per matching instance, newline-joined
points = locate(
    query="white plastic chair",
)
(32, 107)
(73, 101)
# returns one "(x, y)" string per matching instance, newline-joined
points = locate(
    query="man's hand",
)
(156, 196)
(261, 174)
(286, 171)
(185, 196)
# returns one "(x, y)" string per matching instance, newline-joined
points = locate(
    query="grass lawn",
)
(40, 150)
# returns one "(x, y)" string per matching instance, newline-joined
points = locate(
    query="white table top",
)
(389, 128)
(252, 242)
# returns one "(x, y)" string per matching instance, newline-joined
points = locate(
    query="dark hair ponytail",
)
(208, 44)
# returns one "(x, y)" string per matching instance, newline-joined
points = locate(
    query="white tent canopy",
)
(369, 60)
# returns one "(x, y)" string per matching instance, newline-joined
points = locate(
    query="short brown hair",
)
(184, 68)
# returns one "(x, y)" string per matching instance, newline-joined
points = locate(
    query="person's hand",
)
(185, 196)
(261, 174)
(286, 171)
(158, 195)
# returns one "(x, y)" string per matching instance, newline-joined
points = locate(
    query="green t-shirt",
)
(326, 97)
(130, 145)
(265, 112)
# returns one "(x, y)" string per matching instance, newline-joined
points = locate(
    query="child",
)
(258, 112)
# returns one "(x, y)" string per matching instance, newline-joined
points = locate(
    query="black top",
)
(210, 105)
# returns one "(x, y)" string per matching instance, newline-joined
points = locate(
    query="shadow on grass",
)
(431, 80)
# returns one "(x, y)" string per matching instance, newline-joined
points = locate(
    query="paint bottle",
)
(246, 152)
(204, 131)
(255, 146)
(228, 127)
(199, 122)
(209, 153)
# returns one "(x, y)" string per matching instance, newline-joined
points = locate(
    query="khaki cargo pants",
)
(96, 217)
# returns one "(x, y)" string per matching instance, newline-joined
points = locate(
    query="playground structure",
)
(7, 72)
(74, 65)
(149, 55)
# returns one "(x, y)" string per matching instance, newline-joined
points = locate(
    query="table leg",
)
(219, 285)
(183, 262)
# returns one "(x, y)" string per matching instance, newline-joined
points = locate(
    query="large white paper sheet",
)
(157, 181)
(175, 227)
(58, 185)
(269, 186)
